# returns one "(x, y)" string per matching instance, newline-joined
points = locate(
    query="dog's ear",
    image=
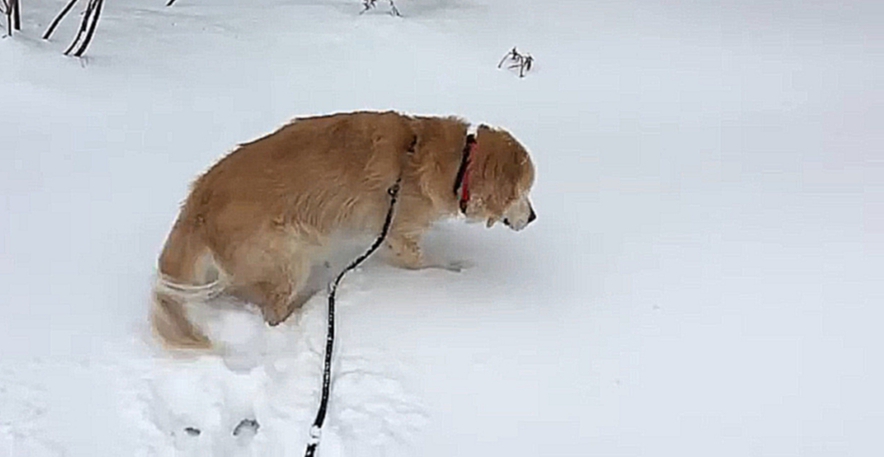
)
(503, 168)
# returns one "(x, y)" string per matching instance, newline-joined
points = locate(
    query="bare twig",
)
(85, 32)
(170, 3)
(58, 19)
(87, 27)
(16, 14)
(83, 24)
(521, 61)
(7, 11)
(524, 66)
(512, 55)
(91, 32)
(369, 4)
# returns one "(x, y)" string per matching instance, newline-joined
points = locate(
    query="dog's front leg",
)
(404, 251)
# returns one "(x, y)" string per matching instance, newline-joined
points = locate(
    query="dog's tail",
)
(169, 315)
(184, 267)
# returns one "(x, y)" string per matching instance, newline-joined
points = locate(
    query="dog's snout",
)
(532, 216)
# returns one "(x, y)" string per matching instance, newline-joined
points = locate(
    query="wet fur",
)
(257, 221)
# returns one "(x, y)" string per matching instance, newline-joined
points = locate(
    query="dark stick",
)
(526, 67)
(16, 14)
(510, 55)
(58, 19)
(521, 61)
(83, 24)
(82, 28)
(170, 3)
(7, 10)
(91, 31)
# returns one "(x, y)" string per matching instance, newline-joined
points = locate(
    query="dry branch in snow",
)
(369, 4)
(521, 61)
(87, 26)
(12, 11)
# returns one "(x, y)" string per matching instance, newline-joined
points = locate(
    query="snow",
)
(703, 277)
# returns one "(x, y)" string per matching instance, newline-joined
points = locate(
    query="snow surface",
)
(704, 277)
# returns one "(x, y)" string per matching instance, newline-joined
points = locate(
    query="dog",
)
(256, 222)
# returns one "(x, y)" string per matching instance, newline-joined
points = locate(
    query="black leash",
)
(316, 429)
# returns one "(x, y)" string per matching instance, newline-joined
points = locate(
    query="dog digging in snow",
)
(257, 222)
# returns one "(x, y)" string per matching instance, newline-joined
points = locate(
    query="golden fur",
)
(255, 223)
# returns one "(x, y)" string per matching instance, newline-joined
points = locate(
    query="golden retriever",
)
(257, 221)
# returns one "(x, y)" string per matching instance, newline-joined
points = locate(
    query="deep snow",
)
(703, 278)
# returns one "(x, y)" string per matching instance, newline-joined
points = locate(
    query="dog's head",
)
(501, 178)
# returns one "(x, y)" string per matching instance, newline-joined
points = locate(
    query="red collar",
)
(462, 182)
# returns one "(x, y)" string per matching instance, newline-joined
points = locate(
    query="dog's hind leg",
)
(274, 279)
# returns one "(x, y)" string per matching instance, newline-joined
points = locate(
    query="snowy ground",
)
(704, 277)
